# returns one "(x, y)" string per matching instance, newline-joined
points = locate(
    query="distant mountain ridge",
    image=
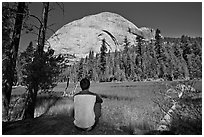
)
(80, 36)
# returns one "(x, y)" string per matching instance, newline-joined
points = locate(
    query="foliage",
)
(7, 25)
(127, 106)
(39, 73)
(163, 58)
(102, 64)
(90, 65)
(80, 70)
(43, 70)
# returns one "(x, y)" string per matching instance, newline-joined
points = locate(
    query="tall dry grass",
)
(54, 106)
(129, 108)
(130, 117)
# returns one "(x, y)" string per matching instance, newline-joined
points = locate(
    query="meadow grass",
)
(127, 106)
(125, 115)
(57, 106)
(129, 116)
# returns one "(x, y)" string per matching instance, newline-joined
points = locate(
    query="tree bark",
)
(30, 102)
(43, 28)
(34, 85)
(8, 83)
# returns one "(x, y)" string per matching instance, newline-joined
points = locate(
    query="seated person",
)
(87, 107)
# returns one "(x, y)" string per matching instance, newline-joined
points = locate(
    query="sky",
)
(174, 19)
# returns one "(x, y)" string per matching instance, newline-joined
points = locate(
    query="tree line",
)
(162, 58)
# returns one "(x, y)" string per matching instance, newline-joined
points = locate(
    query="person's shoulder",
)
(77, 93)
(98, 98)
(92, 93)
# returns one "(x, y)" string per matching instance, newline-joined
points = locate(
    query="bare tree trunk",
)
(34, 86)
(30, 102)
(44, 28)
(7, 85)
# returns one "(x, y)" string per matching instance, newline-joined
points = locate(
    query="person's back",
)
(87, 107)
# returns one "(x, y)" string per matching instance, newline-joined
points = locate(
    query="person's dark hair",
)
(84, 84)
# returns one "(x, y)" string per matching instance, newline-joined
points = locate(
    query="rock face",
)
(83, 35)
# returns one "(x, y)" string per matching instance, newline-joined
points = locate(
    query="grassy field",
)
(127, 106)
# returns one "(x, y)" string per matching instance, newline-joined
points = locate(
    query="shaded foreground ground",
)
(54, 125)
(63, 125)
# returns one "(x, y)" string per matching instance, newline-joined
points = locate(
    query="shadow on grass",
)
(187, 126)
(178, 127)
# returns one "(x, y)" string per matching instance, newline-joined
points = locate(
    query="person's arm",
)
(71, 111)
(72, 108)
(97, 110)
(97, 107)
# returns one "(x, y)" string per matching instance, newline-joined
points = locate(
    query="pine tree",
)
(109, 70)
(102, 65)
(139, 40)
(168, 63)
(73, 73)
(90, 65)
(116, 64)
(159, 54)
(185, 40)
(139, 58)
(38, 79)
(41, 70)
(25, 58)
(195, 61)
(153, 61)
(126, 58)
(96, 71)
(158, 44)
(80, 69)
(126, 45)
